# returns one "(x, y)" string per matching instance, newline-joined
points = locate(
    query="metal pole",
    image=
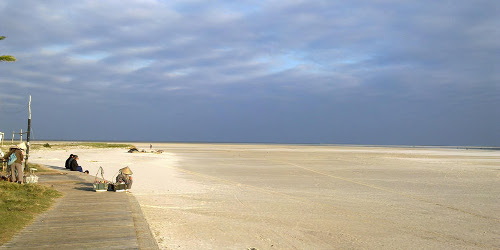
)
(28, 135)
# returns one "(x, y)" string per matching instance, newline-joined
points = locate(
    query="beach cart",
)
(102, 184)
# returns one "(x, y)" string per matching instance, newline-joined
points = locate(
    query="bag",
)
(12, 158)
(31, 178)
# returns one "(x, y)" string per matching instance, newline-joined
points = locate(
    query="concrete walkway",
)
(84, 219)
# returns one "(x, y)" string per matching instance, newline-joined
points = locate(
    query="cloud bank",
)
(378, 72)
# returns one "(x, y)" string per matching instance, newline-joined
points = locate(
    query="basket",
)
(100, 186)
(119, 187)
(31, 178)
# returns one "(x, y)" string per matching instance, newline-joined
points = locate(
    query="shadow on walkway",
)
(85, 186)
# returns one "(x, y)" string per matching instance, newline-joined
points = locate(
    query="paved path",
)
(84, 219)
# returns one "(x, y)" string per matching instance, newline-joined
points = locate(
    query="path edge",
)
(145, 237)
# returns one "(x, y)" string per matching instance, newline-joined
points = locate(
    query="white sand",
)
(152, 173)
(217, 196)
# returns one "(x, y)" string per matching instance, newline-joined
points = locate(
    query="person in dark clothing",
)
(74, 164)
(68, 161)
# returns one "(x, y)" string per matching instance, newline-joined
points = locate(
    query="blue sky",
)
(347, 72)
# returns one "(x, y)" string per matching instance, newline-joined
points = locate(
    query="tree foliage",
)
(6, 58)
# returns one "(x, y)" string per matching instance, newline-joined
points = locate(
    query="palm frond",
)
(7, 58)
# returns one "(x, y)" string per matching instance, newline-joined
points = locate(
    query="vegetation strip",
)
(19, 204)
(80, 144)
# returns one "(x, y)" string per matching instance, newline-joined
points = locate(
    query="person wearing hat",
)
(17, 165)
(125, 176)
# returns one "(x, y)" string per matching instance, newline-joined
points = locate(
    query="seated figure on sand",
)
(124, 176)
(74, 164)
(69, 160)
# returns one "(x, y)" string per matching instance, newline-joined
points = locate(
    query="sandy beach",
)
(223, 196)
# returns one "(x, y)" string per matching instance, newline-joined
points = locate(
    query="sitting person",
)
(68, 161)
(74, 164)
(125, 176)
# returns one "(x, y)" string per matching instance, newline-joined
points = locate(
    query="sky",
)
(376, 72)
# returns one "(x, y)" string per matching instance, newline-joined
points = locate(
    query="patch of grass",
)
(39, 168)
(36, 146)
(19, 204)
(106, 145)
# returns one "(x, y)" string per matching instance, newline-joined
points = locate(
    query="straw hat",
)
(22, 146)
(126, 170)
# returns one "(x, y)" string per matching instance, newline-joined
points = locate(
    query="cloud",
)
(232, 56)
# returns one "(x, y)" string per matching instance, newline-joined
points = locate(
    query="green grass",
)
(106, 145)
(39, 168)
(36, 146)
(19, 204)
(68, 145)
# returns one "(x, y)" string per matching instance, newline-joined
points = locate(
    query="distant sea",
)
(276, 143)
